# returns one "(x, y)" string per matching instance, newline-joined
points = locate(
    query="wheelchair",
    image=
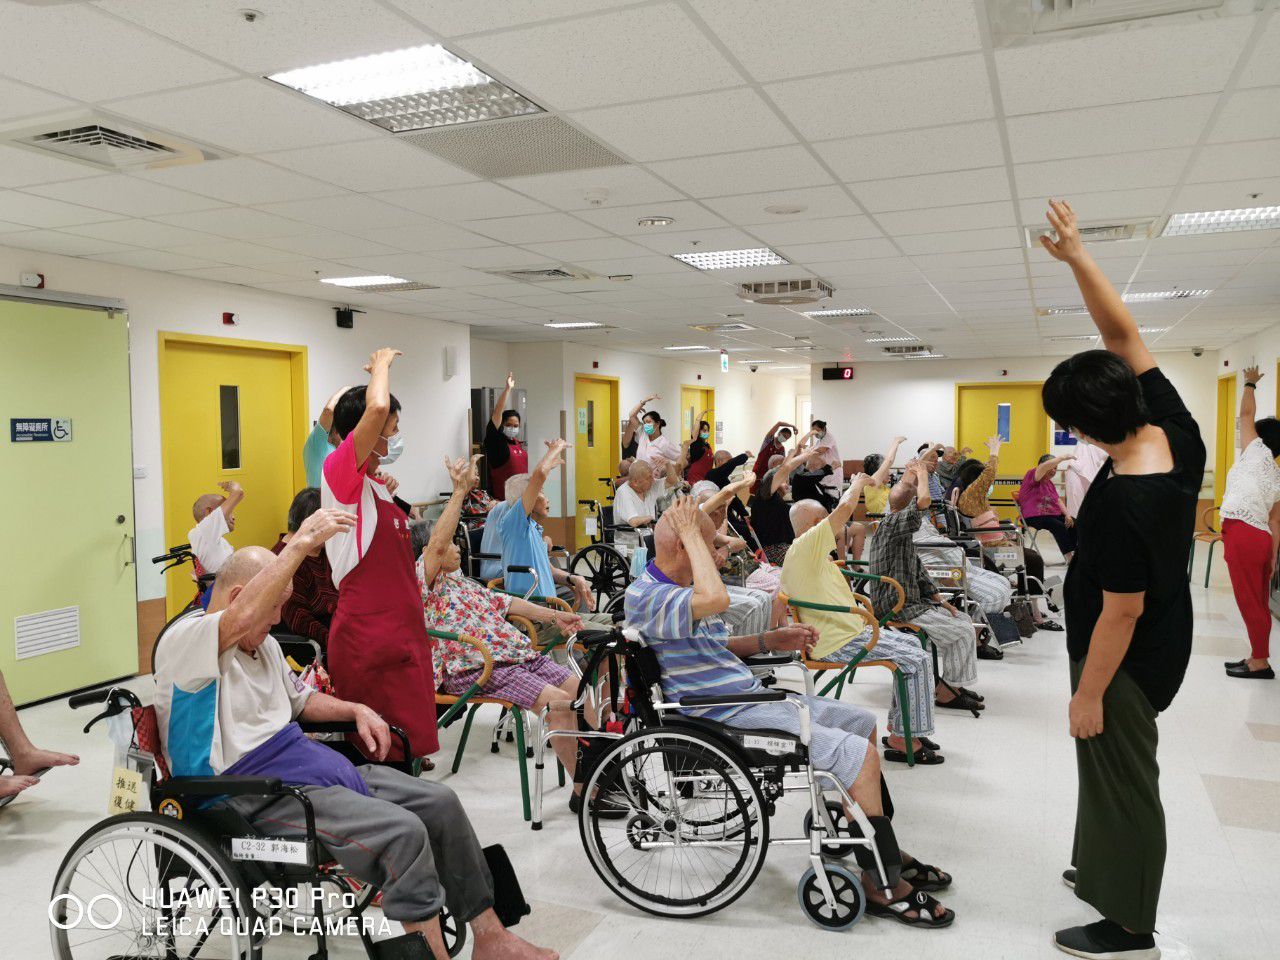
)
(177, 556)
(697, 797)
(601, 563)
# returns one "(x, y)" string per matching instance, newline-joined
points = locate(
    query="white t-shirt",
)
(628, 504)
(344, 486)
(208, 543)
(214, 709)
(656, 448)
(1253, 486)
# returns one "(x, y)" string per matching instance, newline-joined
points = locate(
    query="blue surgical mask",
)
(704, 435)
(648, 428)
(395, 447)
(512, 433)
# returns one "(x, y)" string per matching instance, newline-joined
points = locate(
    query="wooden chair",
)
(1211, 535)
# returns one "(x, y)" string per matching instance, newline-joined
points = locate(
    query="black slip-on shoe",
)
(1069, 877)
(1228, 664)
(1105, 940)
(1243, 672)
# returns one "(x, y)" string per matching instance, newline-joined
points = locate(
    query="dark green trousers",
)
(1120, 839)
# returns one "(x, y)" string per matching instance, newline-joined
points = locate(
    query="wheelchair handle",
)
(119, 698)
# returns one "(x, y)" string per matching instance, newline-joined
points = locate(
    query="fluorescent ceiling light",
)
(1076, 336)
(757, 361)
(690, 347)
(891, 339)
(1149, 295)
(409, 89)
(378, 281)
(727, 259)
(575, 325)
(838, 312)
(924, 356)
(1152, 329)
(1064, 311)
(1222, 221)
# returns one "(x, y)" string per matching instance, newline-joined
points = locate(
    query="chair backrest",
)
(1208, 520)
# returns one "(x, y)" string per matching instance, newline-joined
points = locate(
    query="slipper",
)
(989, 651)
(916, 901)
(924, 742)
(1053, 626)
(960, 703)
(925, 876)
(924, 757)
(969, 693)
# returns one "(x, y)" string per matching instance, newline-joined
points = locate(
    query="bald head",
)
(805, 515)
(243, 566)
(666, 541)
(721, 457)
(901, 494)
(205, 505)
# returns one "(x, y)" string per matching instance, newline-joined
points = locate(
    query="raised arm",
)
(886, 468)
(377, 403)
(326, 415)
(633, 418)
(973, 498)
(1046, 468)
(538, 476)
(727, 493)
(503, 400)
(464, 476)
(843, 512)
(1112, 318)
(1249, 407)
(709, 593)
(786, 468)
(235, 493)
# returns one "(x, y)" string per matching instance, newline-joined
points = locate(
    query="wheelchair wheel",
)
(851, 900)
(840, 820)
(140, 884)
(453, 931)
(678, 852)
(604, 570)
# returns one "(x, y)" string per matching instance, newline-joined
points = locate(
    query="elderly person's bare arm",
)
(881, 476)
(782, 473)
(685, 522)
(370, 727)
(721, 499)
(843, 512)
(464, 476)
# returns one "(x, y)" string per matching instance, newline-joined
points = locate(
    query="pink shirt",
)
(1080, 473)
(1039, 498)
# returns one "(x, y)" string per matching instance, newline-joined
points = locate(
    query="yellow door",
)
(1225, 448)
(596, 444)
(693, 401)
(229, 413)
(68, 605)
(1013, 409)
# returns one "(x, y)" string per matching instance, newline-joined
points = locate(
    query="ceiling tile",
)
(152, 260)
(635, 54)
(779, 168)
(804, 253)
(1169, 60)
(816, 231)
(369, 165)
(67, 244)
(719, 122)
(249, 116)
(880, 99)
(89, 44)
(329, 245)
(127, 196)
(291, 33)
(623, 220)
(449, 18)
(240, 223)
(20, 100)
(237, 253)
(599, 248)
(943, 219)
(21, 168)
(1248, 115)
(683, 241)
(1062, 178)
(960, 242)
(1227, 195)
(790, 38)
(492, 258)
(1223, 161)
(1116, 128)
(620, 185)
(1107, 206)
(349, 211)
(960, 147)
(243, 275)
(933, 190)
(648, 267)
(466, 201)
(1264, 65)
(145, 233)
(425, 237)
(36, 211)
(538, 228)
(240, 180)
(749, 208)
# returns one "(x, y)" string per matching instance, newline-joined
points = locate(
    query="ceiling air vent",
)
(907, 350)
(1055, 15)
(109, 143)
(543, 274)
(519, 147)
(785, 293)
(733, 326)
(1097, 232)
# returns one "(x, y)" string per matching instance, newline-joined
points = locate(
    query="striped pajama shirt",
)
(748, 613)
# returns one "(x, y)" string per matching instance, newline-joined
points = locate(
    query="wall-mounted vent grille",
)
(519, 147)
(544, 274)
(36, 634)
(111, 143)
(1097, 232)
(786, 293)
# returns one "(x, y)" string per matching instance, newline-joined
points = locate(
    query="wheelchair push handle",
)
(177, 554)
(116, 700)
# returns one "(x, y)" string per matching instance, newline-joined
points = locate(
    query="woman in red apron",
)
(379, 652)
(503, 451)
(701, 457)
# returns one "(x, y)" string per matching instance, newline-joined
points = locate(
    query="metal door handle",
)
(133, 550)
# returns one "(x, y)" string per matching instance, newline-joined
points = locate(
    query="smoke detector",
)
(786, 293)
(103, 141)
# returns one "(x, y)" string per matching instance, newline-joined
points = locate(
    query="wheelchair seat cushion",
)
(758, 746)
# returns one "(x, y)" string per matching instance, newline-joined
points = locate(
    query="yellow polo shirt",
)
(808, 573)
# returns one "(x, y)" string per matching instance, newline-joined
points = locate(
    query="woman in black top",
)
(1128, 604)
(504, 453)
(770, 511)
(806, 483)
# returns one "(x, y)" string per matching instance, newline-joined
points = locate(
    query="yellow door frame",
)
(1226, 414)
(297, 354)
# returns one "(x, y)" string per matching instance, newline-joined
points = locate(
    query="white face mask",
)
(512, 433)
(395, 447)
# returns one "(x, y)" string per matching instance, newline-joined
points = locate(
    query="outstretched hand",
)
(383, 356)
(322, 526)
(684, 517)
(1068, 247)
(511, 380)
(994, 442)
(1252, 375)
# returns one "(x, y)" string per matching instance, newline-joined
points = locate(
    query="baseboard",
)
(151, 620)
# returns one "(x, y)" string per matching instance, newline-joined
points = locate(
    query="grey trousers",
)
(410, 838)
(749, 611)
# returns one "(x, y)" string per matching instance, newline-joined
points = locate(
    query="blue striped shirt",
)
(693, 655)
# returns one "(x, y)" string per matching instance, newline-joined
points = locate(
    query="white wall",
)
(490, 363)
(434, 416)
(1262, 349)
(916, 398)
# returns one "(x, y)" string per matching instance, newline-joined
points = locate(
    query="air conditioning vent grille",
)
(544, 274)
(735, 326)
(1098, 232)
(1072, 14)
(908, 349)
(98, 136)
(786, 292)
(398, 287)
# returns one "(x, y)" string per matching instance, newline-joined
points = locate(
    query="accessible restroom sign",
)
(39, 430)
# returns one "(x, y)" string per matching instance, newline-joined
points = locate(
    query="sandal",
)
(925, 876)
(924, 757)
(961, 702)
(971, 695)
(925, 742)
(918, 901)
(1053, 626)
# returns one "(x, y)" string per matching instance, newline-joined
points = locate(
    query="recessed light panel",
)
(409, 89)
(838, 312)
(380, 280)
(575, 325)
(891, 339)
(1150, 295)
(728, 259)
(688, 348)
(1222, 221)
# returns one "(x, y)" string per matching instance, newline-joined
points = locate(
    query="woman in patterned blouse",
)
(457, 604)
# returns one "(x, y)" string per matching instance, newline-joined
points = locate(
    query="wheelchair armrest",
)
(486, 556)
(733, 699)
(230, 786)
(588, 638)
(770, 660)
(518, 568)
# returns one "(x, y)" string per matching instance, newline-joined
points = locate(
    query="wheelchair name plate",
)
(269, 849)
(771, 745)
(1004, 556)
(589, 526)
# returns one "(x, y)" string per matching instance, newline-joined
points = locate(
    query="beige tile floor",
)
(998, 814)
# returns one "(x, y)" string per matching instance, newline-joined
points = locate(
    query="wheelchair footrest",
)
(409, 946)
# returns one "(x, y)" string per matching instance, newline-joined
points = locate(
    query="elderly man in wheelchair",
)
(226, 704)
(675, 606)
